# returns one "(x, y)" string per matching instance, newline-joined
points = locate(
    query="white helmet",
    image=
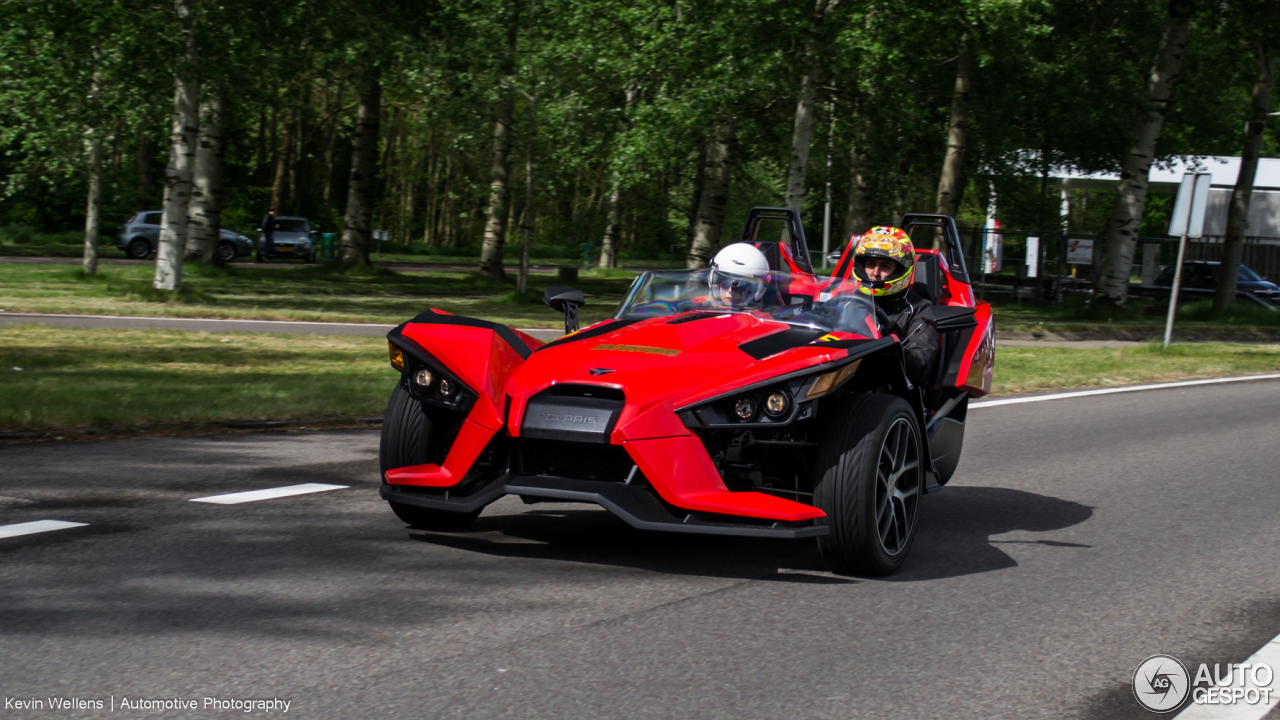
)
(741, 268)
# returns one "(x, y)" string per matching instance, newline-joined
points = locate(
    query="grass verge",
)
(295, 292)
(123, 379)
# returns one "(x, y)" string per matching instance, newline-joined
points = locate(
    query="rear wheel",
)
(139, 249)
(870, 481)
(407, 440)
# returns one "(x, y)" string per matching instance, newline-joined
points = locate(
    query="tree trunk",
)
(495, 227)
(699, 177)
(951, 182)
(204, 219)
(718, 167)
(802, 131)
(364, 172)
(1238, 212)
(184, 127)
(93, 211)
(1112, 285)
(143, 161)
(609, 243)
(857, 213)
(280, 196)
(304, 166)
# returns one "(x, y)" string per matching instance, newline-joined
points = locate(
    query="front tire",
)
(407, 440)
(226, 252)
(870, 479)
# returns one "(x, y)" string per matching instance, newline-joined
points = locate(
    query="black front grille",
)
(574, 460)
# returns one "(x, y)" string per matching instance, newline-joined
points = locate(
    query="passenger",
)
(739, 276)
(884, 262)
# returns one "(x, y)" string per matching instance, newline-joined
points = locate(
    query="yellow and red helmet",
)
(889, 243)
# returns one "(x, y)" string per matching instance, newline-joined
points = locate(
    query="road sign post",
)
(1187, 221)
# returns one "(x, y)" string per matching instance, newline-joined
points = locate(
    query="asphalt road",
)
(1078, 538)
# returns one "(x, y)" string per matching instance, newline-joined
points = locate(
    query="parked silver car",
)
(139, 236)
(293, 238)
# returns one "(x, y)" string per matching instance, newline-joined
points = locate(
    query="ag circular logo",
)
(1161, 683)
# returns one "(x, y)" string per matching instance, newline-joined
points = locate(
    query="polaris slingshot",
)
(790, 419)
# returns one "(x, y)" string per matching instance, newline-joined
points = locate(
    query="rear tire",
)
(139, 249)
(406, 440)
(870, 478)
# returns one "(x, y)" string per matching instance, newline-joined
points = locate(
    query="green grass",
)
(1141, 315)
(1021, 369)
(294, 292)
(126, 378)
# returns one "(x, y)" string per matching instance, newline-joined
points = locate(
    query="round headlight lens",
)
(744, 408)
(423, 378)
(447, 388)
(778, 403)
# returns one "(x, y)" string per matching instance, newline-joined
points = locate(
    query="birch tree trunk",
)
(144, 157)
(280, 196)
(951, 182)
(93, 211)
(1112, 286)
(204, 219)
(364, 172)
(1238, 213)
(717, 169)
(802, 130)
(609, 244)
(495, 226)
(183, 129)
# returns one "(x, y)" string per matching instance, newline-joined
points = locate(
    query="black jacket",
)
(269, 225)
(919, 338)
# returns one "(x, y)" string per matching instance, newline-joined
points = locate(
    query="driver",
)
(738, 276)
(884, 262)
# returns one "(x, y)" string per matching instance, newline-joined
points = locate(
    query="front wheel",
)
(407, 438)
(870, 479)
(139, 249)
(226, 252)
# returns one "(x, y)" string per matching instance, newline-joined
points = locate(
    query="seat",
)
(928, 280)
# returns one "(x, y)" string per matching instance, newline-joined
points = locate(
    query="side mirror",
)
(566, 300)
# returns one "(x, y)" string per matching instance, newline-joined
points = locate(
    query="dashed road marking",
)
(38, 526)
(1130, 388)
(268, 494)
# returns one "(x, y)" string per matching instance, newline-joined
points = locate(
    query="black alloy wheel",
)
(406, 440)
(871, 477)
(139, 249)
(226, 252)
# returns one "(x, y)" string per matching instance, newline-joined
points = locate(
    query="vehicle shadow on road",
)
(956, 526)
(957, 523)
(591, 535)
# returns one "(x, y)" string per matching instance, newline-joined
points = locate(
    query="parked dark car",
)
(1203, 275)
(139, 236)
(294, 238)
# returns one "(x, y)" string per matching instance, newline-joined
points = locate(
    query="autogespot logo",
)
(1161, 683)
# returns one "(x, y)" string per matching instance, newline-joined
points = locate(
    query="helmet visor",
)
(737, 290)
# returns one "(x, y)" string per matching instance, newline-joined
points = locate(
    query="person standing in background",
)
(267, 234)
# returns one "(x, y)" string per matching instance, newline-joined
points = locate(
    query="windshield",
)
(291, 225)
(821, 303)
(1248, 274)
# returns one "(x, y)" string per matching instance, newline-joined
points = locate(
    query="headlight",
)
(777, 403)
(423, 378)
(744, 408)
(447, 388)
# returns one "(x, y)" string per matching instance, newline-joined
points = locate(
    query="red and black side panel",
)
(970, 366)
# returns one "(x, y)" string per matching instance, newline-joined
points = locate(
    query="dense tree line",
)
(638, 127)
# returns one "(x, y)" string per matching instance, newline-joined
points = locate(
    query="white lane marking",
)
(1130, 388)
(39, 526)
(1268, 655)
(268, 494)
